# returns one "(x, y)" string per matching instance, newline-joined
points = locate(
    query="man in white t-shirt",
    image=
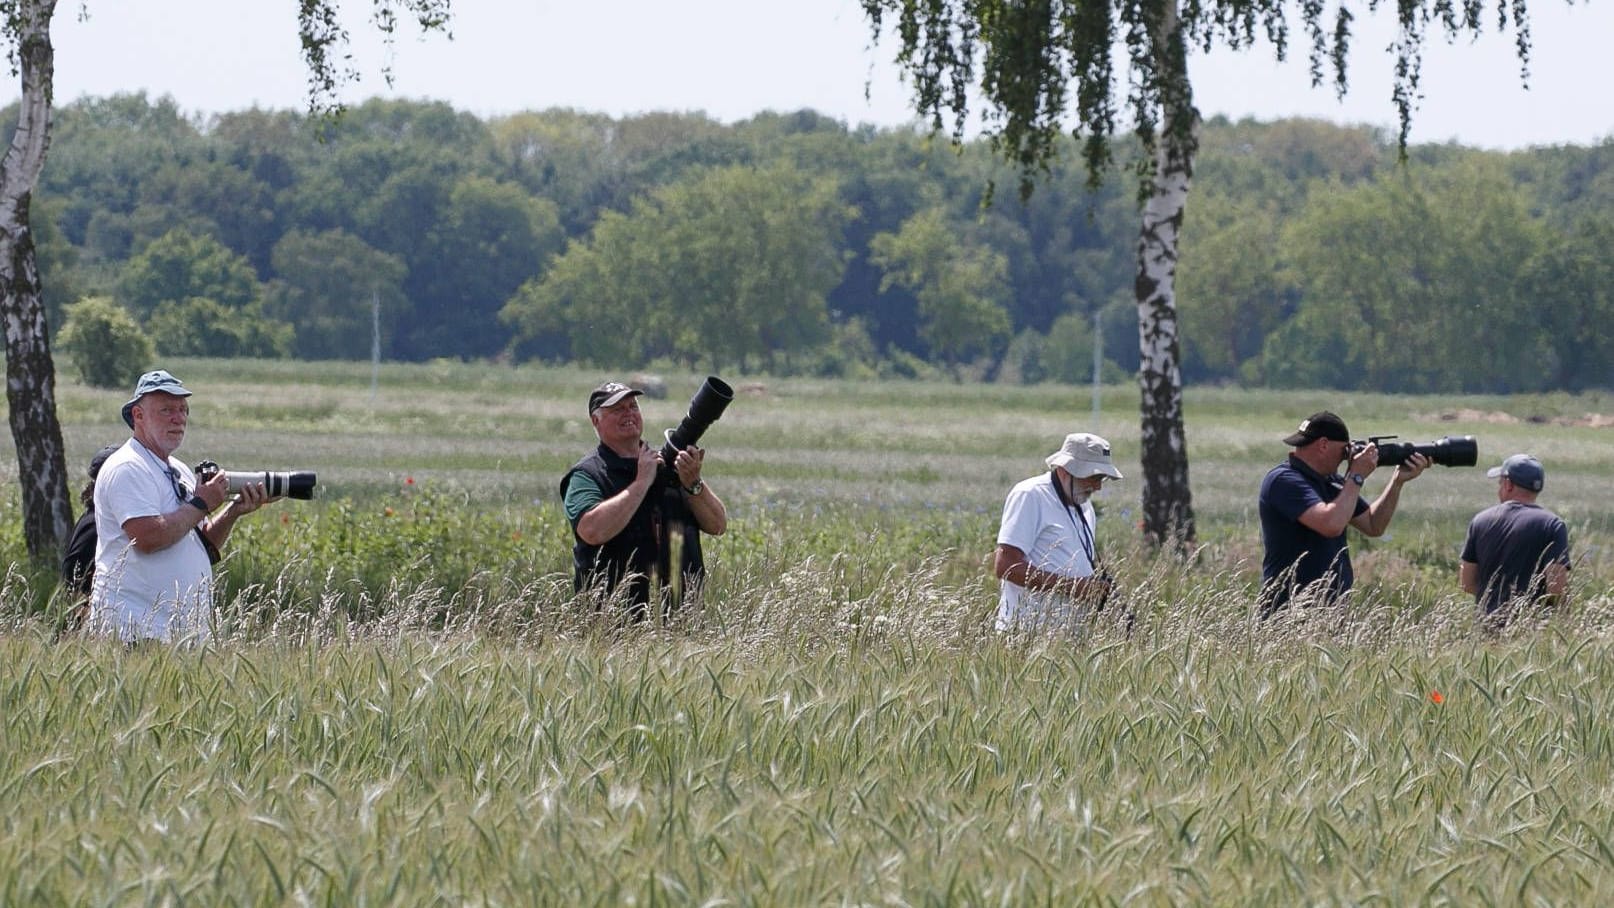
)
(1046, 559)
(156, 541)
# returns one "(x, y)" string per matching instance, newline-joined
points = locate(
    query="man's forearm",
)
(709, 513)
(153, 534)
(601, 523)
(1049, 582)
(1383, 508)
(218, 529)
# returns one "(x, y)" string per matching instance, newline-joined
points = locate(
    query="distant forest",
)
(794, 244)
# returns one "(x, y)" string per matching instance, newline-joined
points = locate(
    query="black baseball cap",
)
(609, 395)
(1321, 424)
(100, 458)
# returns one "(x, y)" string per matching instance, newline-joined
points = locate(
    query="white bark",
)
(1167, 503)
(30, 373)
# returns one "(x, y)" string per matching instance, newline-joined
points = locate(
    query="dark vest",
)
(644, 547)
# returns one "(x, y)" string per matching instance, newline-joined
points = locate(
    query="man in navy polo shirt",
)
(1306, 505)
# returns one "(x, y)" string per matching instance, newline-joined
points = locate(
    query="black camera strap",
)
(1084, 532)
(182, 494)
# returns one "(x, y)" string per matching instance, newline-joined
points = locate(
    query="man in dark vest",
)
(628, 513)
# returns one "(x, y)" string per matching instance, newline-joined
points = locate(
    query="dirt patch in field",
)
(1592, 420)
(1470, 415)
(1589, 420)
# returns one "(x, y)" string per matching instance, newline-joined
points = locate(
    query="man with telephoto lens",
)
(1517, 552)
(1046, 559)
(157, 532)
(628, 514)
(1306, 505)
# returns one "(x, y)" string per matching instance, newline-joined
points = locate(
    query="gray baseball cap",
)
(1522, 470)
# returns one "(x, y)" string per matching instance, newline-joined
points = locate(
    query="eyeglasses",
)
(180, 488)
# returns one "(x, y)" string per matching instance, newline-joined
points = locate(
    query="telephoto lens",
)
(1451, 451)
(297, 484)
(704, 409)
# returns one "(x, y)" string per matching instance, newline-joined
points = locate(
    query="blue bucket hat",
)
(158, 380)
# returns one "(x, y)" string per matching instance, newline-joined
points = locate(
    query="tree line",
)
(793, 243)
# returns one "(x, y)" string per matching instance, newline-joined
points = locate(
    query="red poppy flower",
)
(1436, 698)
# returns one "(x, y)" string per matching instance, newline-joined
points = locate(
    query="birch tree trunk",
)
(30, 373)
(1168, 514)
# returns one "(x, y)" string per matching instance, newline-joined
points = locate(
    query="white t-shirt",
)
(1054, 538)
(162, 595)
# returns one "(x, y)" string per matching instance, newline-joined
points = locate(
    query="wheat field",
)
(405, 705)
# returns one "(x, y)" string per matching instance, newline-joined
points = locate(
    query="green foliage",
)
(421, 542)
(1232, 285)
(849, 354)
(202, 327)
(960, 285)
(450, 219)
(108, 348)
(1068, 354)
(1038, 72)
(1414, 281)
(181, 266)
(728, 265)
(329, 286)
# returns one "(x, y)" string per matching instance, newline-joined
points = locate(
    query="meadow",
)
(405, 704)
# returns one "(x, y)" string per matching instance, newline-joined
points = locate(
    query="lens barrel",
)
(297, 484)
(1451, 451)
(705, 408)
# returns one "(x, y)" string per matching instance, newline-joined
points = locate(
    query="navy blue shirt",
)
(1289, 490)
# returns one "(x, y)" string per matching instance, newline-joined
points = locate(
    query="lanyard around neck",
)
(1084, 532)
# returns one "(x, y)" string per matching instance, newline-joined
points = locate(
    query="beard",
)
(1078, 495)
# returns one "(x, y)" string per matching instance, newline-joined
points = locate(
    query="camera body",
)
(297, 484)
(708, 404)
(1450, 451)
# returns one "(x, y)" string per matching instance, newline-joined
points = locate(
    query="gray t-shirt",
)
(1511, 543)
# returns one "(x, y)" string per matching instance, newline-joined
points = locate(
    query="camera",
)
(705, 407)
(1451, 451)
(297, 484)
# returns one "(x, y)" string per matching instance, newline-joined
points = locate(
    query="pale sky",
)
(734, 58)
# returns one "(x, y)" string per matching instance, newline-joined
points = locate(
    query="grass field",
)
(406, 707)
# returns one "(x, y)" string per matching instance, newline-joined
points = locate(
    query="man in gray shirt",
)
(1517, 552)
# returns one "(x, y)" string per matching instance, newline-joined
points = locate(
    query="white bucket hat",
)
(1084, 455)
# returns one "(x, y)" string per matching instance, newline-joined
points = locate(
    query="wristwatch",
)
(200, 503)
(697, 488)
(1359, 479)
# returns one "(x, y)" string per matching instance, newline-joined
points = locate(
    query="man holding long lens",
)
(628, 515)
(1306, 505)
(157, 534)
